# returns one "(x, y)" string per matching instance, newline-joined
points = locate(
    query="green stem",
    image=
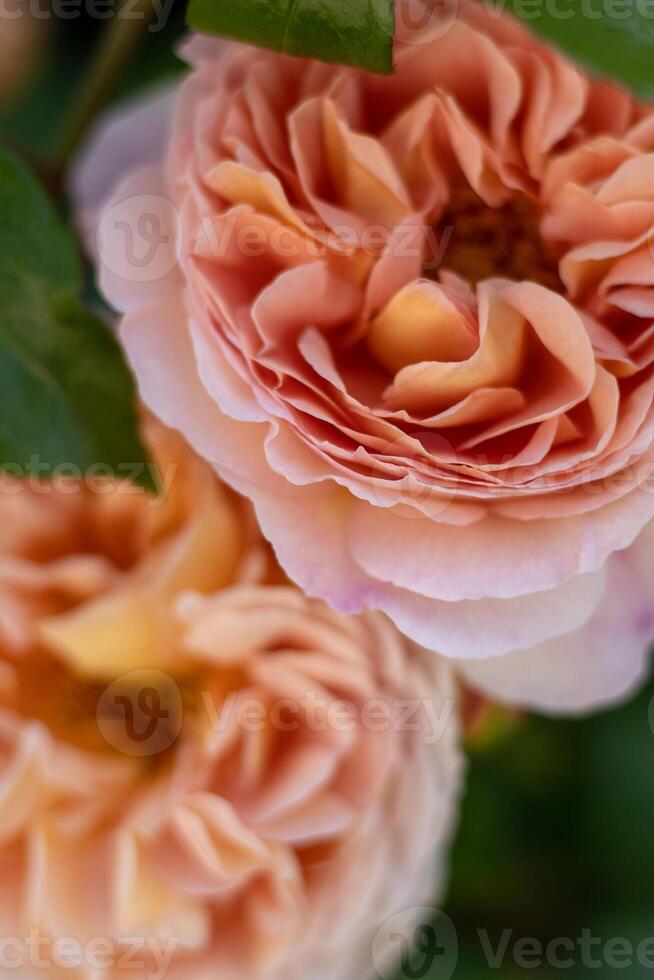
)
(119, 43)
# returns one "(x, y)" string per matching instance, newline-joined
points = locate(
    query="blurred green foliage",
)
(614, 38)
(557, 837)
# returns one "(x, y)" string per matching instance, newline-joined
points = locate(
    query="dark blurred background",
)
(45, 60)
(557, 833)
(557, 836)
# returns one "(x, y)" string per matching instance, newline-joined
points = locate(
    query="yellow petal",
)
(112, 635)
(420, 324)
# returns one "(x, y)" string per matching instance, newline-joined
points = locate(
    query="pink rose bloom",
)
(412, 319)
(202, 772)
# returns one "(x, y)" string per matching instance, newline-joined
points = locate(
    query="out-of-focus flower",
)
(103, 559)
(410, 317)
(202, 772)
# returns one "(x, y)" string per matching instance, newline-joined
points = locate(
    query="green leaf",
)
(351, 32)
(614, 38)
(67, 399)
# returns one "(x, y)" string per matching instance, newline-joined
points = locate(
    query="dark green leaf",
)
(614, 38)
(66, 396)
(352, 32)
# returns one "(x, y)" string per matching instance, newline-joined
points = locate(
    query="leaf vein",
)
(290, 17)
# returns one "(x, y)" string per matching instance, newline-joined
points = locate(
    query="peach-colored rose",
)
(202, 772)
(411, 318)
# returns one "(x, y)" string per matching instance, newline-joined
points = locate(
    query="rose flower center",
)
(480, 242)
(435, 323)
(103, 717)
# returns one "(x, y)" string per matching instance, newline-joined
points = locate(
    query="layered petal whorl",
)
(410, 318)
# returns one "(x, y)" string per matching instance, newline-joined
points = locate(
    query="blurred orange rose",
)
(202, 772)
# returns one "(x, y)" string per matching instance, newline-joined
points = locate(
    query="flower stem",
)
(117, 46)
